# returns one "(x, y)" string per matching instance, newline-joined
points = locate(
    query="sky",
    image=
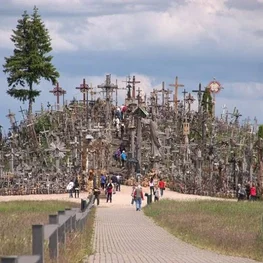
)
(155, 40)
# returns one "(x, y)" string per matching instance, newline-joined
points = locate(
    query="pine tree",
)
(207, 102)
(30, 61)
(260, 131)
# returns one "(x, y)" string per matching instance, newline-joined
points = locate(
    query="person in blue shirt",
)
(103, 181)
(123, 158)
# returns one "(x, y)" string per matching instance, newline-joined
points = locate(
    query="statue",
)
(154, 138)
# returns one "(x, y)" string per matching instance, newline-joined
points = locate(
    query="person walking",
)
(248, 190)
(70, 188)
(102, 181)
(138, 196)
(96, 193)
(109, 189)
(118, 186)
(161, 186)
(123, 158)
(76, 188)
(151, 184)
(132, 194)
(253, 193)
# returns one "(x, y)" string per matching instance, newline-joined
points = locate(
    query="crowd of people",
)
(248, 191)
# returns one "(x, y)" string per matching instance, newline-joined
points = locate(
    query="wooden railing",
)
(55, 233)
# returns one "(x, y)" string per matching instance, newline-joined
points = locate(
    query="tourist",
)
(151, 184)
(70, 188)
(248, 190)
(138, 196)
(96, 193)
(102, 181)
(114, 181)
(253, 193)
(161, 186)
(118, 186)
(109, 189)
(76, 188)
(123, 158)
(241, 194)
(156, 194)
(132, 194)
(122, 130)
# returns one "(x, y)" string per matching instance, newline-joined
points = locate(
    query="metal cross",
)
(199, 96)
(133, 82)
(84, 88)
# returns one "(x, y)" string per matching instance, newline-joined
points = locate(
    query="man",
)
(114, 181)
(122, 130)
(102, 181)
(118, 187)
(138, 196)
(70, 188)
(96, 193)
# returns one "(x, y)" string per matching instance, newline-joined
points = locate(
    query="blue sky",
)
(195, 40)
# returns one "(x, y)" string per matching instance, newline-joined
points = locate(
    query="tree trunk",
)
(30, 102)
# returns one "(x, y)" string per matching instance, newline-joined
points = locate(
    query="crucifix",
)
(57, 91)
(139, 98)
(199, 96)
(189, 99)
(184, 92)
(133, 82)
(176, 86)
(11, 117)
(83, 89)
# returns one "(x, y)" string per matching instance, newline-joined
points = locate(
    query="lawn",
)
(17, 218)
(231, 228)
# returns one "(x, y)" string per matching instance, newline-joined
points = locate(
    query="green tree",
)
(207, 101)
(30, 60)
(260, 131)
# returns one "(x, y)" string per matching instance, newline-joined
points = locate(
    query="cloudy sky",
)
(156, 40)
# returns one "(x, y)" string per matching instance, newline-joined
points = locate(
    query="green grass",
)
(231, 228)
(17, 218)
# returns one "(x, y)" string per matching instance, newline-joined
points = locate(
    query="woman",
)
(151, 184)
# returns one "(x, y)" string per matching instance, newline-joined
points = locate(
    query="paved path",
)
(125, 235)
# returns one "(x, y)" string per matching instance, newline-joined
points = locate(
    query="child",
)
(156, 194)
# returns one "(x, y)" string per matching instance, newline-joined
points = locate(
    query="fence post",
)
(61, 230)
(38, 241)
(74, 226)
(53, 239)
(69, 224)
(9, 259)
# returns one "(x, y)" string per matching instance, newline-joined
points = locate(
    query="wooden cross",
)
(83, 89)
(176, 86)
(167, 98)
(199, 95)
(128, 86)
(133, 82)
(11, 117)
(57, 91)
(189, 99)
(22, 112)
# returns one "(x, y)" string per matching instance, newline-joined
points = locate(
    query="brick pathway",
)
(125, 235)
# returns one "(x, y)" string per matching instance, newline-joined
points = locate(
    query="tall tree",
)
(31, 60)
(207, 102)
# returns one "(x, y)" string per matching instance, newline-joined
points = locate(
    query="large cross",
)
(11, 117)
(189, 99)
(133, 82)
(57, 91)
(84, 88)
(22, 112)
(176, 86)
(199, 95)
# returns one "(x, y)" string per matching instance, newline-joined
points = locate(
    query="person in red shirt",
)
(253, 193)
(161, 186)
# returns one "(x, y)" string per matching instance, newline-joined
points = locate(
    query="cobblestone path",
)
(125, 235)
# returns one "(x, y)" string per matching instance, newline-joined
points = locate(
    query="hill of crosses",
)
(163, 137)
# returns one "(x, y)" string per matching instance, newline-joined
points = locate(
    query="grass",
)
(17, 218)
(230, 228)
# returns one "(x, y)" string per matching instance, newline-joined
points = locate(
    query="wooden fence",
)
(55, 233)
